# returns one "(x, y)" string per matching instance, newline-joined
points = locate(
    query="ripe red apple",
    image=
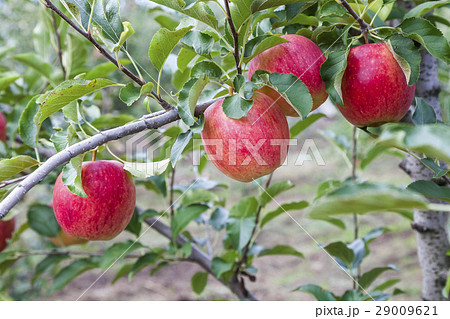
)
(63, 240)
(374, 87)
(2, 127)
(6, 231)
(301, 57)
(106, 211)
(250, 147)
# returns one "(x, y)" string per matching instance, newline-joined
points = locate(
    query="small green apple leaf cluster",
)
(42, 220)
(361, 198)
(236, 107)
(294, 90)
(15, 165)
(350, 257)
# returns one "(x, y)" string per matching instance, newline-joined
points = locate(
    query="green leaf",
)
(281, 250)
(188, 98)
(185, 56)
(260, 44)
(201, 42)
(103, 69)
(71, 176)
(147, 88)
(446, 290)
(246, 207)
(318, 292)
(135, 224)
(7, 78)
(332, 71)
(184, 216)
(438, 170)
(67, 92)
(259, 5)
(424, 32)
(178, 147)
(294, 90)
(199, 195)
(407, 56)
(218, 219)
(127, 32)
(146, 170)
(111, 120)
(273, 191)
(430, 189)
(429, 139)
(239, 231)
(236, 107)
(124, 270)
(162, 44)
(373, 153)
(47, 263)
(144, 261)
(28, 128)
(72, 271)
(116, 252)
(35, 62)
(369, 277)
(341, 251)
(199, 11)
(302, 125)
(220, 267)
(351, 198)
(41, 219)
(208, 68)
(199, 281)
(130, 94)
(424, 113)
(15, 165)
(332, 8)
(166, 21)
(387, 284)
(423, 8)
(283, 209)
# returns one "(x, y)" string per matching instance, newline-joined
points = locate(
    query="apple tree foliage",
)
(52, 102)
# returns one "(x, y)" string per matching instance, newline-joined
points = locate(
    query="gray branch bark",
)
(431, 227)
(86, 145)
(200, 258)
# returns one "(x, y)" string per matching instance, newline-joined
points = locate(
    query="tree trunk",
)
(431, 227)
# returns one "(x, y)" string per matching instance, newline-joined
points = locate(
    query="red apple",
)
(301, 57)
(250, 147)
(6, 231)
(2, 127)
(374, 87)
(106, 211)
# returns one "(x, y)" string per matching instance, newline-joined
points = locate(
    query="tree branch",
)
(58, 42)
(364, 26)
(49, 4)
(12, 181)
(235, 37)
(199, 257)
(87, 145)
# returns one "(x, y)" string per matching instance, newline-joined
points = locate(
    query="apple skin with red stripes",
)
(374, 87)
(6, 230)
(300, 57)
(2, 127)
(250, 147)
(107, 210)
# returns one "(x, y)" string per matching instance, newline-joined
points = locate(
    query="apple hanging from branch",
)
(2, 127)
(107, 210)
(250, 147)
(374, 87)
(300, 57)
(6, 231)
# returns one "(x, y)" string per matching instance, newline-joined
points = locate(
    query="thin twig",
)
(58, 42)
(235, 37)
(364, 26)
(12, 181)
(49, 4)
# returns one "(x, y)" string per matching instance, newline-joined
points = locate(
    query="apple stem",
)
(94, 155)
(364, 26)
(235, 37)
